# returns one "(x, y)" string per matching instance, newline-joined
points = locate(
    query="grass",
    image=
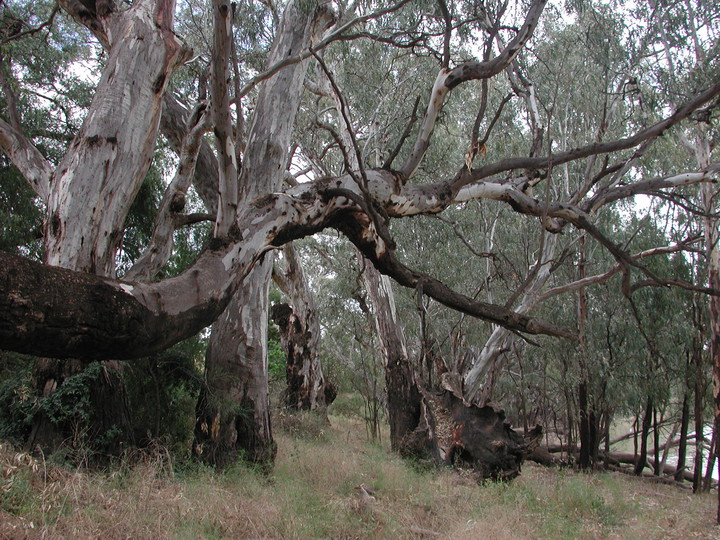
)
(312, 493)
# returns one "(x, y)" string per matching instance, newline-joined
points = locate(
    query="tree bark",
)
(239, 407)
(642, 459)
(87, 207)
(106, 430)
(233, 412)
(682, 446)
(299, 325)
(712, 455)
(698, 413)
(656, 443)
(87, 204)
(585, 430)
(403, 397)
(712, 255)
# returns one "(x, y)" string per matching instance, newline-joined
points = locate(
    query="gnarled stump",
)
(468, 437)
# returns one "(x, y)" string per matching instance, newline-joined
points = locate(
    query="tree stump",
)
(467, 437)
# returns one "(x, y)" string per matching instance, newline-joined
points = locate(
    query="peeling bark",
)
(86, 203)
(233, 418)
(238, 344)
(403, 397)
(46, 310)
(299, 326)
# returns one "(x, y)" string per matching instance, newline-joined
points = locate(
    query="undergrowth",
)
(319, 489)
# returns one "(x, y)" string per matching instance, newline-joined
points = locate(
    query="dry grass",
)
(313, 493)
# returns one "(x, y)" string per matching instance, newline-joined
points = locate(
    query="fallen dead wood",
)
(628, 458)
(470, 438)
(669, 480)
(542, 456)
(613, 460)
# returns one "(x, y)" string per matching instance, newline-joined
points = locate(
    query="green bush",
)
(17, 404)
(162, 394)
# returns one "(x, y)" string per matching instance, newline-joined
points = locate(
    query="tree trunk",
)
(233, 411)
(299, 325)
(608, 423)
(699, 420)
(588, 429)
(91, 192)
(440, 427)
(585, 459)
(586, 433)
(641, 461)
(569, 413)
(712, 455)
(682, 446)
(101, 425)
(403, 397)
(656, 443)
(712, 254)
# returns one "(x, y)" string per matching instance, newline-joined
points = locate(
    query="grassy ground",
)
(312, 493)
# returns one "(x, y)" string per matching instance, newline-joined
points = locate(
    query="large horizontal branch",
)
(50, 311)
(360, 231)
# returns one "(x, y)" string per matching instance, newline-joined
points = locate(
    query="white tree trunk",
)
(95, 183)
(97, 180)
(501, 338)
(236, 361)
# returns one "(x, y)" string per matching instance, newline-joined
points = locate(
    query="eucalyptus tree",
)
(696, 30)
(299, 323)
(73, 306)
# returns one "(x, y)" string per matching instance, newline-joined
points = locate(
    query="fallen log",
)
(669, 480)
(628, 458)
(613, 459)
(541, 456)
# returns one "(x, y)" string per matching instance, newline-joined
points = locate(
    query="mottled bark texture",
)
(306, 387)
(234, 410)
(478, 439)
(403, 398)
(87, 205)
(299, 325)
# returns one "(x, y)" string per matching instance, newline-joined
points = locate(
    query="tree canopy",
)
(560, 119)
